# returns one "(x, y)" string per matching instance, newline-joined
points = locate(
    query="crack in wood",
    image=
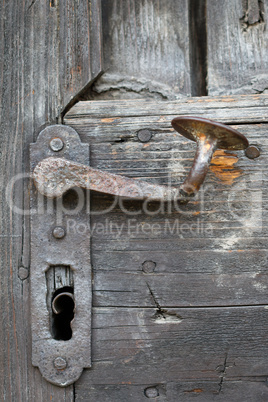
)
(222, 370)
(222, 373)
(31, 4)
(162, 315)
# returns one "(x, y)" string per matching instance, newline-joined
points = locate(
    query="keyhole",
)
(62, 313)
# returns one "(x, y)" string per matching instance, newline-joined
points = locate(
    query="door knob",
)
(55, 175)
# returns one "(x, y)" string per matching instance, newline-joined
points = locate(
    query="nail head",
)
(252, 152)
(23, 273)
(148, 267)
(60, 363)
(59, 232)
(144, 135)
(56, 144)
(151, 392)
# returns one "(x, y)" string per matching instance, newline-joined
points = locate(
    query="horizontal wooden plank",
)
(232, 109)
(175, 289)
(203, 391)
(141, 346)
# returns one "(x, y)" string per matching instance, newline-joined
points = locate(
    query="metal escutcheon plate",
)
(60, 259)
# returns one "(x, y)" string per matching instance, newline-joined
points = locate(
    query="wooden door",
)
(180, 296)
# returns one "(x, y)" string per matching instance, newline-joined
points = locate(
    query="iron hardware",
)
(60, 261)
(55, 175)
(60, 271)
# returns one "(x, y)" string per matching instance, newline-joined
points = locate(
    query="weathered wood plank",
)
(229, 109)
(159, 343)
(146, 50)
(140, 347)
(39, 44)
(237, 42)
(80, 51)
(173, 290)
(207, 391)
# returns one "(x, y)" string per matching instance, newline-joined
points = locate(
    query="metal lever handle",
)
(54, 176)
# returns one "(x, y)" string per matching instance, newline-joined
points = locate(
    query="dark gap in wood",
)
(198, 47)
(31, 4)
(164, 308)
(223, 373)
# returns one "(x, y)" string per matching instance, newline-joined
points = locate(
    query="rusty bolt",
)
(60, 363)
(56, 144)
(23, 273)
(148, 267)
(59, 232)
(144, 135)
(252, 152)
(151, 392)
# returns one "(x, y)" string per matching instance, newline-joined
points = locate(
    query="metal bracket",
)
(60, 267)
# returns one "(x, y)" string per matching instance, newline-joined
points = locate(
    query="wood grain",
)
(219, 351)
(173, 391)
(45, 61)
(146, 50)
(237, 43)
(205, 257)
(229, 109)
(217, 275)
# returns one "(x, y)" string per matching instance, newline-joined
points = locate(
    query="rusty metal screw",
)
(252, 152)
(56, 144)
(209, 136)
(60, 363)
(59, 232)
(144, 135)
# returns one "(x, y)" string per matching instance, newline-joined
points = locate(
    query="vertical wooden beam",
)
(237, 46)
(46, 59)
(146, 50)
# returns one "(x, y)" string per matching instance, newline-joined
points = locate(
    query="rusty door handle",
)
(55, 175)
(61, 300)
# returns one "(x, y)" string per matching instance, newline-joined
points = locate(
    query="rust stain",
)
(223, 166)
(196, 390)
(108, 120)
(228, 100)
